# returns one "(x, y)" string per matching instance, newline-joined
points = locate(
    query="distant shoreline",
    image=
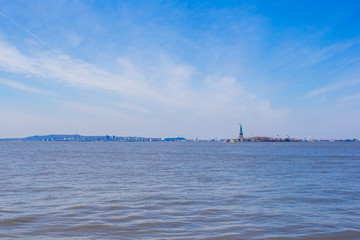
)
(107, 138)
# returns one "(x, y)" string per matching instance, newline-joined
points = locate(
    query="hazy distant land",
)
(107, 138)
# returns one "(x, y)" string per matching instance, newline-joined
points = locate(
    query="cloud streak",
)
(332, 87)
(23, 87)
(29, 32)
(63, 68)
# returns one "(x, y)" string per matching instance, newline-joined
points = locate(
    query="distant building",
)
(177, 139)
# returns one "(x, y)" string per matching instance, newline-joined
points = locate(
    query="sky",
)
(194, 69)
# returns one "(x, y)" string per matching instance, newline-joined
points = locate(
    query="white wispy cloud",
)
(23, 87)
(332, 87)
(306, 54)
(60, 67)
(316, 56)
(352, 98)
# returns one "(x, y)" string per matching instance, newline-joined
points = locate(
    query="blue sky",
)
(180, 68)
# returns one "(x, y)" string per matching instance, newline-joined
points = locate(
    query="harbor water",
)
(179, 190)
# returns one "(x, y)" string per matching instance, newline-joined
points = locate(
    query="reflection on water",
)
(179, 190)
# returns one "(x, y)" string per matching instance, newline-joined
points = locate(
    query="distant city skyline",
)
(180, 68)
(113, 138)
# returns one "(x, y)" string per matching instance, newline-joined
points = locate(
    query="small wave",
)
(158, 198)
(320, 200)
(17, 221)
(75, 207)
(148, 224)
(149, 207)
(88, 227)
(242, 196)
(270, 215)
(208, 219)
(61, 187)
(125, 219)
(291, 228)
(83, 173)
(7, 236)
(183, 202)
(117, 207)
(347, 234)
(209, 211)
(157, 224)
(7, 211)
(226, 236)
(244, 215)
(309, 200)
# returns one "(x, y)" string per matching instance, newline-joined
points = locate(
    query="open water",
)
(156, 190)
